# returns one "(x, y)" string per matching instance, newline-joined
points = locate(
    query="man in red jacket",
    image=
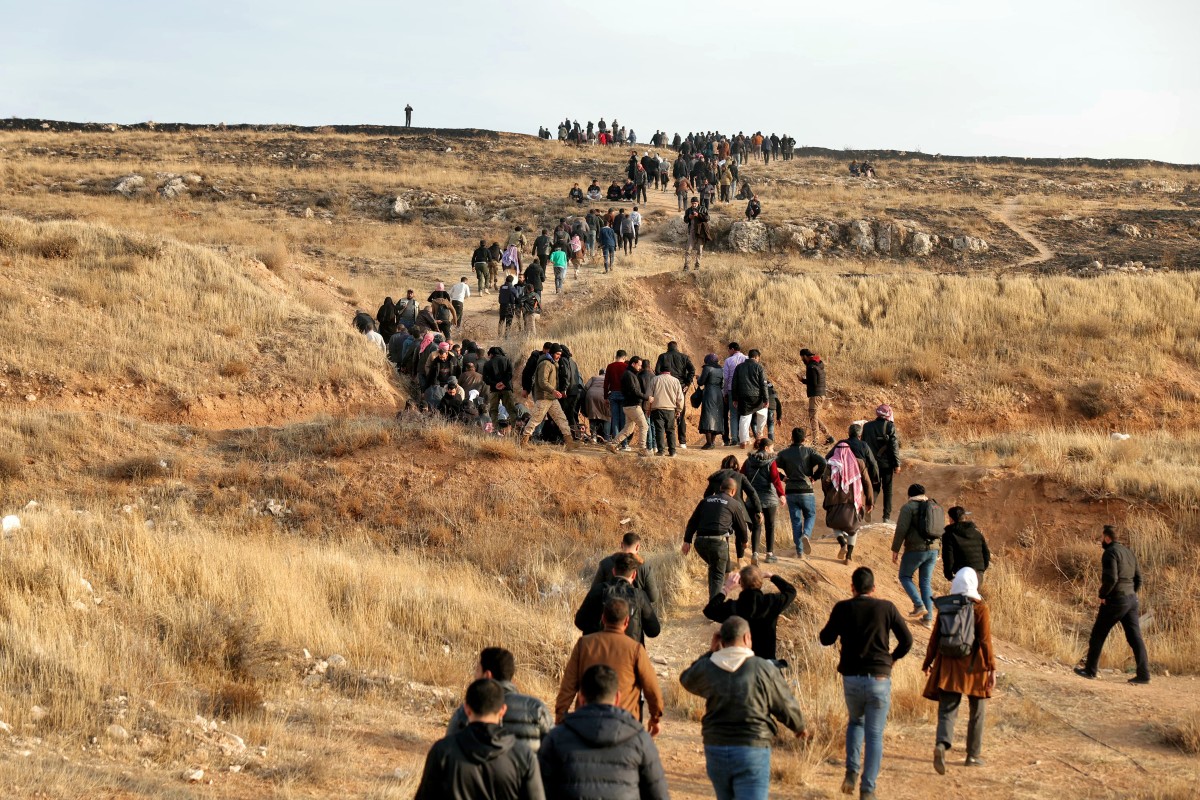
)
(613, 374)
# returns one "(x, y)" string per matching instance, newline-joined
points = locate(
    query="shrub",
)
(1183, 735)
(1092, 399)
(10, 467)
(59, 247)
(882, 376)
(234, 369)
(275, 258)
(140, 468)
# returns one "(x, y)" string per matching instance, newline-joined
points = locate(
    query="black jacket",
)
(720, 515)
(800, 466)
(498, 369)
(1119, 573)
(643, 621)
(964, 546)
(814, 379)
(884, 442)
(601, 751)
(482, 762)
(643, 579)
(678, 364)
(631, 389)
(527, 718)
(864, 623)
(742, 705)
(749, 387)
(860, 450)
(480, 256)
(758, 608)
(745, 491)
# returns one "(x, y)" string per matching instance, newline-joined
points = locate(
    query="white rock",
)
(231, 745)
(193, 775)
(336, 660)
(126, 509)
(32, 505)
(80, 606)
(174, 187)
(192, 178)
(921, 244)
(6, 728)
(968, 244)
(37, 713)
(87, 586)
(308, 213)
(11, 523)
(1120, 437)
(1132, 231)
(748, 236)
(860, 236)
(129, 185)
(116, 732)
(307, 655)
(399, 207)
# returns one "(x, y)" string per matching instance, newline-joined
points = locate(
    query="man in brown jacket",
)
(666, 400)
(546, 396)
(612, 647)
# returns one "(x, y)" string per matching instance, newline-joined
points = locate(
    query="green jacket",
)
(906, 531)
(545, 379)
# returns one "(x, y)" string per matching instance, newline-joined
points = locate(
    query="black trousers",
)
(1122, 609)
(885, 488)
(663, 420)
(767, 527)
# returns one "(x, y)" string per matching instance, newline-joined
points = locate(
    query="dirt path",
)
(1005, 215)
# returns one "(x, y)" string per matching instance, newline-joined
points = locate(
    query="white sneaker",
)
(683, 447)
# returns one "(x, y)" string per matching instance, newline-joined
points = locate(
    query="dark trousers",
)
(767, 527)
(681, 427)
(948, 703)
(715, 552)
(885, 488)
(1121, 609)
(640, 196)
(663, 420)
(458, 310)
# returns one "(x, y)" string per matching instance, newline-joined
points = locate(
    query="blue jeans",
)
(608, 257)
(739, 773)
(616, 412)
(867, 702)
(923, 561)
(803, 510)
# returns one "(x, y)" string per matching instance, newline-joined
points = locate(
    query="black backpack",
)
(506, 295)
(956, 625)
(929, 520)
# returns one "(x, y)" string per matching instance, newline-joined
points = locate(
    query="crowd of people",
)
(598, 739)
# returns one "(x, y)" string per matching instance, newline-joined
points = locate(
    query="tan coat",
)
(666, 394)
(545, 379)
(967, 675)
(634, 672)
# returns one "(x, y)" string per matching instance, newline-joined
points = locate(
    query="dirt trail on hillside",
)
(1005, 215)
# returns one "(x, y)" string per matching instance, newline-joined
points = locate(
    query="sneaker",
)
(926, 622)
(939, 759)
(772, 559)
(683, 447)
(1083, 673)
(849, 782)
(708, 447)
(754, 559)
(670, 455)
(624, 448)
(799, 554)
(917, 610)
(974, 761)
(1139, 681)
(806, 543)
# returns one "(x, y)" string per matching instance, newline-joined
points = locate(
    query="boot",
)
(841, 552)
(849, 553)
(571, 443)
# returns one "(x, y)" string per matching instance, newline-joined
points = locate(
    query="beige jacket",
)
(666, 393)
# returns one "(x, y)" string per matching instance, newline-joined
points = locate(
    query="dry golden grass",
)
(1183, 734)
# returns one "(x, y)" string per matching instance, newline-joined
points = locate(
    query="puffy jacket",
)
(749, 387)
(745, 694)
(631, 389)
(745, 491)
(527, 718)
(545, 379)
(881, 437)
(800, 466)
(601, 751)
(764, 478)
(963, 545)
(814, 378)
(678, 364)
(481, 762)
(758, 608)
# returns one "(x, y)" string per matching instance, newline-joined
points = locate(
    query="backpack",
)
(506, 296)
(929, 520)
(956, 625)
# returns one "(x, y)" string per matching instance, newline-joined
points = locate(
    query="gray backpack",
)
(956, 625)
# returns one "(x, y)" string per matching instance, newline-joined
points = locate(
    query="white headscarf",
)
(966, 581)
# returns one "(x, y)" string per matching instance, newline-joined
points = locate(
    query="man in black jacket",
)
(759, 609)
(1120, 581)
(479, 262)
(527, 718)
(600, 750)
(963, 545)
(643, 578)
(497, 375)
(743, 695)
(814, 386)
(865, 625)
(643, 621)
(883, 441)
(748, 393)
(716, 518)
(680, 365)
(483, 761)
(541, 248)
(633, 404)
(800, 466)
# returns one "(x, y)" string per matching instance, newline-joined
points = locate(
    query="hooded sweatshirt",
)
(602, 751)
(744, 696)
(964, 546)
(482, 762)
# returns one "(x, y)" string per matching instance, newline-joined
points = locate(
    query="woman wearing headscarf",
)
(596, 408)
(951, 677)
(764, 478)
(439, 293)
(712, 403)
(386, 317)
(848, 497)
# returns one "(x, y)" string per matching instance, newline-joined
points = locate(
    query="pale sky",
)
(1105, 78)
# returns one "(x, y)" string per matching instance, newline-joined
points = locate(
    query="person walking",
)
(760, 609)
(608, 245)
(963, 545)
(546, 398)
(633, 397)
(959, 665)
(760, 469)
(715, 519)
(614, 373)
(800, 466)
(696, 218)
(459, 293)
(635, 673)
(728, 366)
(667, 404)
(596, 409)
(600, 750)
(814, 385)
(509, 298)
(483, 761)
(744, 695)
(526, 717)
(680, 365)
(882, 439)
(748, 393)
(862, 453)
(918, 530)
(847, 497)
(865, 625)
(710, 384)
(644, 579)
(1120, 582)
(479, 262)
(643, 621)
